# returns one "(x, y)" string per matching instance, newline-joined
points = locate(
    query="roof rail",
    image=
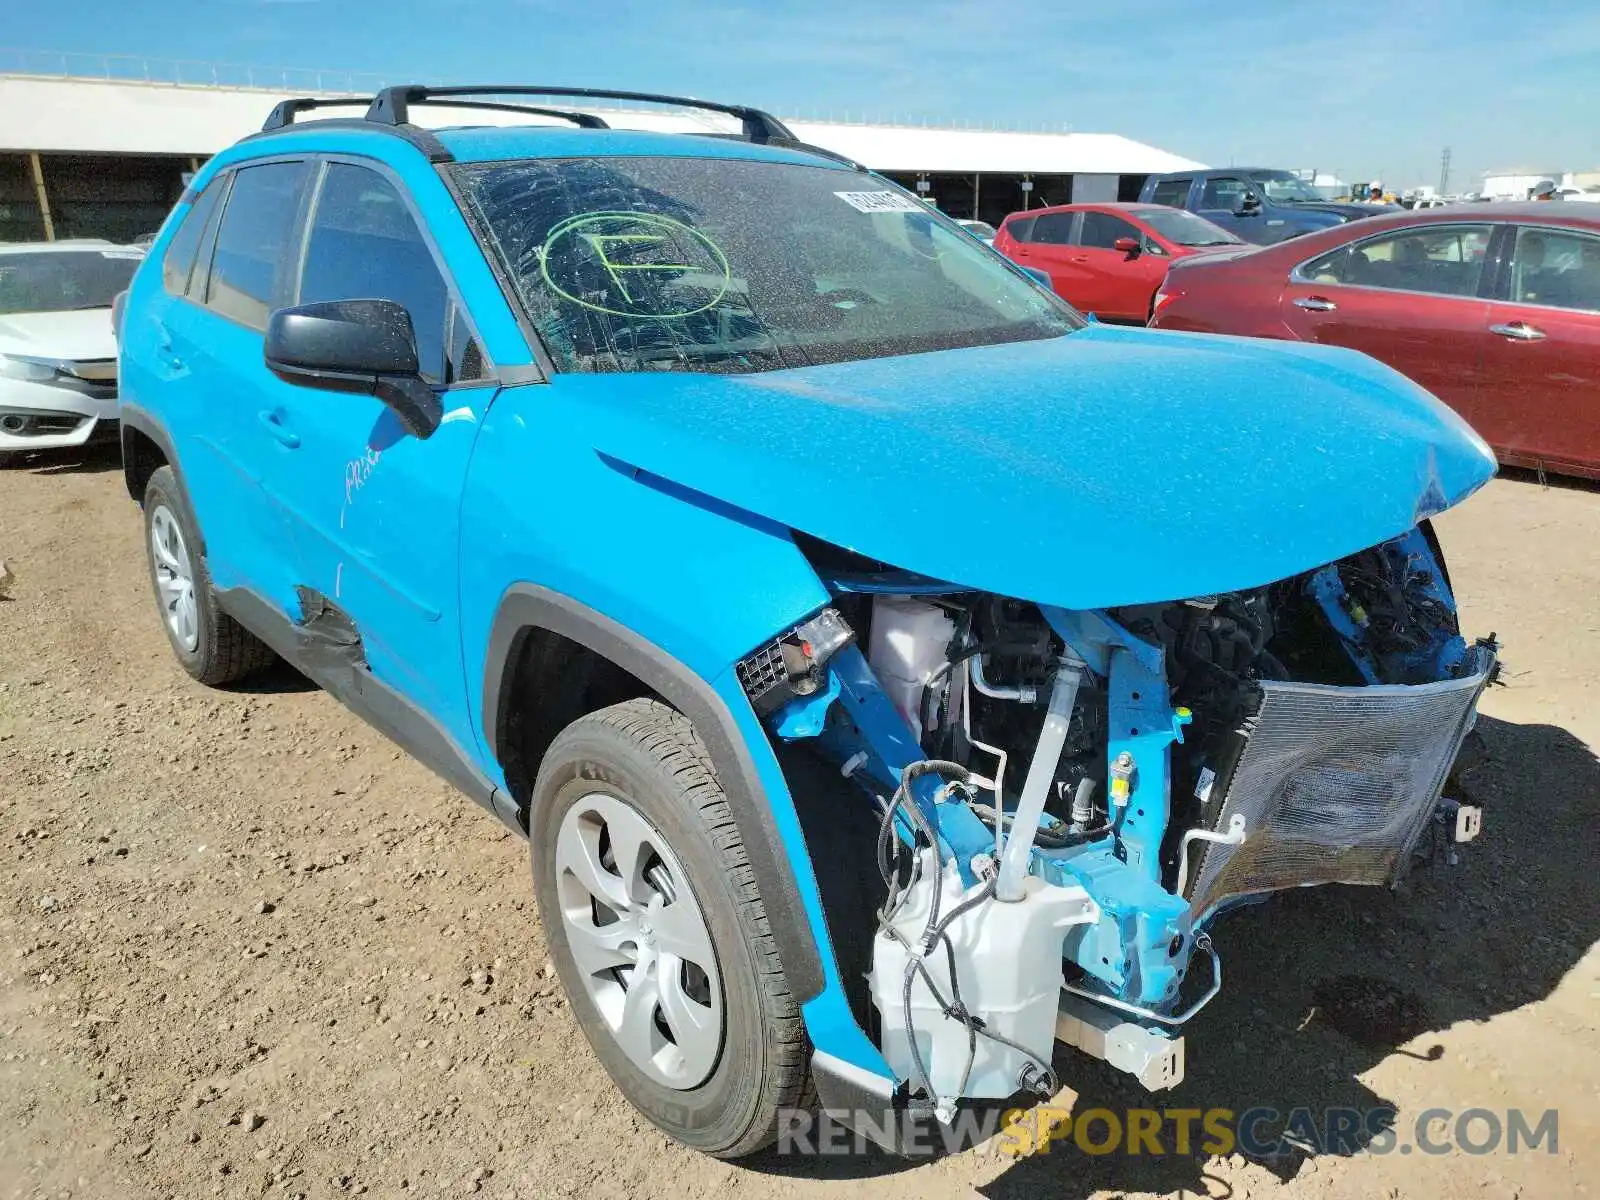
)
(392, 105)
(581, 119)
(285, 111)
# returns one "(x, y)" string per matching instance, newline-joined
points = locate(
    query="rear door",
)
(1541, 377)
(210, 343)
(376, 511)
(1052, 250)
(1410, 298)
(1013, 239)
(1174, 192)
(1118, 284)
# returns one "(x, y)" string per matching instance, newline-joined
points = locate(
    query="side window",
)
(1556, 267)
(250, 265)
(1021, 231)
(178, 264)
(1222, 191)
(465, 361)
(1101, 230)
(1172, 192)
(364, 245)
(1446, 260)
(1053, 229)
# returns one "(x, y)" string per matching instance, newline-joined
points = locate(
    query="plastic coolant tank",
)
(1008, 966)
(909, 641)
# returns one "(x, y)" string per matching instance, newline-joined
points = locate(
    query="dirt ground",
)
(248, 948)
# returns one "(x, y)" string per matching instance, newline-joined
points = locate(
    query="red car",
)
(1493, 308)
(1108, 259)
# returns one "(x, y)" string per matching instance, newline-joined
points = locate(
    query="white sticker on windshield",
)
(134, 254)
(876, 202)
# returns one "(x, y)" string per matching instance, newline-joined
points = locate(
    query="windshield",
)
(1284, 188)
(1184, 228)
(63, 280)
(712, 264)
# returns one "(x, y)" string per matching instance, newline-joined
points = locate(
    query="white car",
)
(981, 230)
(58, 351)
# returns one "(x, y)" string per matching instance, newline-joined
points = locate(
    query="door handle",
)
(275, 426)
(1518, 331)
(1080, 258)
(1315, 304)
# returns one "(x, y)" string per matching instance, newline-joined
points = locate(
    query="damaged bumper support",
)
(1078, 794)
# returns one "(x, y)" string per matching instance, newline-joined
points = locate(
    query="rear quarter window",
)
(178, 265)
(1020, 231)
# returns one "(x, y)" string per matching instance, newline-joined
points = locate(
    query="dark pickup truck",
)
(1259, 206)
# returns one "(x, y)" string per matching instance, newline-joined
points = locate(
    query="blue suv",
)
(893, 675)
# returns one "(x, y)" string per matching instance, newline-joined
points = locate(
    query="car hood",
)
(84, 334)
(1106, 467)
(1352, 212)
(1216, 248)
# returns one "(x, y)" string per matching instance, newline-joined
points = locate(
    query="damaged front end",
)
(1060, 801)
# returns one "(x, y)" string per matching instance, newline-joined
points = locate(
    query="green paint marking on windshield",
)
(643, 255)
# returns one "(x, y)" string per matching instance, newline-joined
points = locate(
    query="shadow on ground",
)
(278, 679)
(1323, 984)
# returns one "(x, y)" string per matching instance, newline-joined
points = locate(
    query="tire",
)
(641, 769)
(210, 645)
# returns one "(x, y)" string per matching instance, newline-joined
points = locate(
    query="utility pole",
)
(1444, 172)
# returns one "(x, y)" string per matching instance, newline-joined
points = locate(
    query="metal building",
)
(106, 156)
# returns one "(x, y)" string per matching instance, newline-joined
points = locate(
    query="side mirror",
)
(1248, 203)
(1126, 245)
(362, 346)
(1042, 278)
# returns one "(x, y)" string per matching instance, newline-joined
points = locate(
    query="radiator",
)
(1335, 784)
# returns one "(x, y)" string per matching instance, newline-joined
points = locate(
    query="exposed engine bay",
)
(1106, 783)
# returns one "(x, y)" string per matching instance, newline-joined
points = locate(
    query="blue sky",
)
(1356, 86)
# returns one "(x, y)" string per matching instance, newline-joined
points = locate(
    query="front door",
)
(375, 510)
(1221, 203)
(1541, 377)
(1118, 284)
(1410, 299)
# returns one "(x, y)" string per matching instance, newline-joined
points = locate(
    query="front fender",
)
(676, 588)
(750, 776)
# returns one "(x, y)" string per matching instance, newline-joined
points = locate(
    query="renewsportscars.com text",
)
(1260, 1133)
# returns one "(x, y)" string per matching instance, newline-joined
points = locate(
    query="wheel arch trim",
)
(527, 606)
(138, 420)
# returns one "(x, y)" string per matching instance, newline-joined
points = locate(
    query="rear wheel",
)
(211, 645)
(656, 925)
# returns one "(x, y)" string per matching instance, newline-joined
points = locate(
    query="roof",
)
(1545, 212)
(1127, 206)
(129, 117)
(489, 144)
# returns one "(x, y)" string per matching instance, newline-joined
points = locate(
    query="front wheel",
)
(656, 925)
